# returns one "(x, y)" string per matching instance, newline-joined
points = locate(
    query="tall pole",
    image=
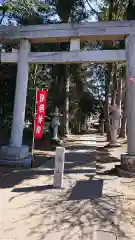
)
(33, 138)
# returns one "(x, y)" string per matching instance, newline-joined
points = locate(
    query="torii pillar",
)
(128, 160)
(15, 152)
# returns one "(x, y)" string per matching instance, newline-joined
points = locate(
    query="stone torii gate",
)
(73, 33)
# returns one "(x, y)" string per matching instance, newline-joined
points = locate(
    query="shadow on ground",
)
(91, 189)
(104, 157)
(88, 189)
(79, 159)
(74, 212)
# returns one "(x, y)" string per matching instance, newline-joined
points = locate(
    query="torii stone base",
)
(114, 145)
(15, 156)
(127, 167)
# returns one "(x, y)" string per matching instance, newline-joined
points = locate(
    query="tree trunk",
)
(61, 92)
(102, 127)
(114, 82)
(106, 107)
(123, 127)
(119, 93)
(119, 100)
(67, 104)
(113, 132)
(107, 82)
(115, 105)
(107, 122)
(123, 120)
(113, 101)
(64, 92)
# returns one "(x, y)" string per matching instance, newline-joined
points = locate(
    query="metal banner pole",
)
(33, 139)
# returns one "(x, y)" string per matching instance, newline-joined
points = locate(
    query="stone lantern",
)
(55, 124)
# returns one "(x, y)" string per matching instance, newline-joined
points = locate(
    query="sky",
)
(1, 1)
(94, 4)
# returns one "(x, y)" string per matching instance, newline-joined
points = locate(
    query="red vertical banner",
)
(41, 106)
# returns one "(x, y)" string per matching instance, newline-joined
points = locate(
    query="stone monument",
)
(59, 167)
(55, 126)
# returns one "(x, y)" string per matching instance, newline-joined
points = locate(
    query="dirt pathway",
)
(31, 209)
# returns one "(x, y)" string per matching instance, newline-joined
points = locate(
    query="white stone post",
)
(128, 160)
(20, 94)
(59, 167)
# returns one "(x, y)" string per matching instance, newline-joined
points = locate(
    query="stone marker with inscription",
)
(59, 167)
